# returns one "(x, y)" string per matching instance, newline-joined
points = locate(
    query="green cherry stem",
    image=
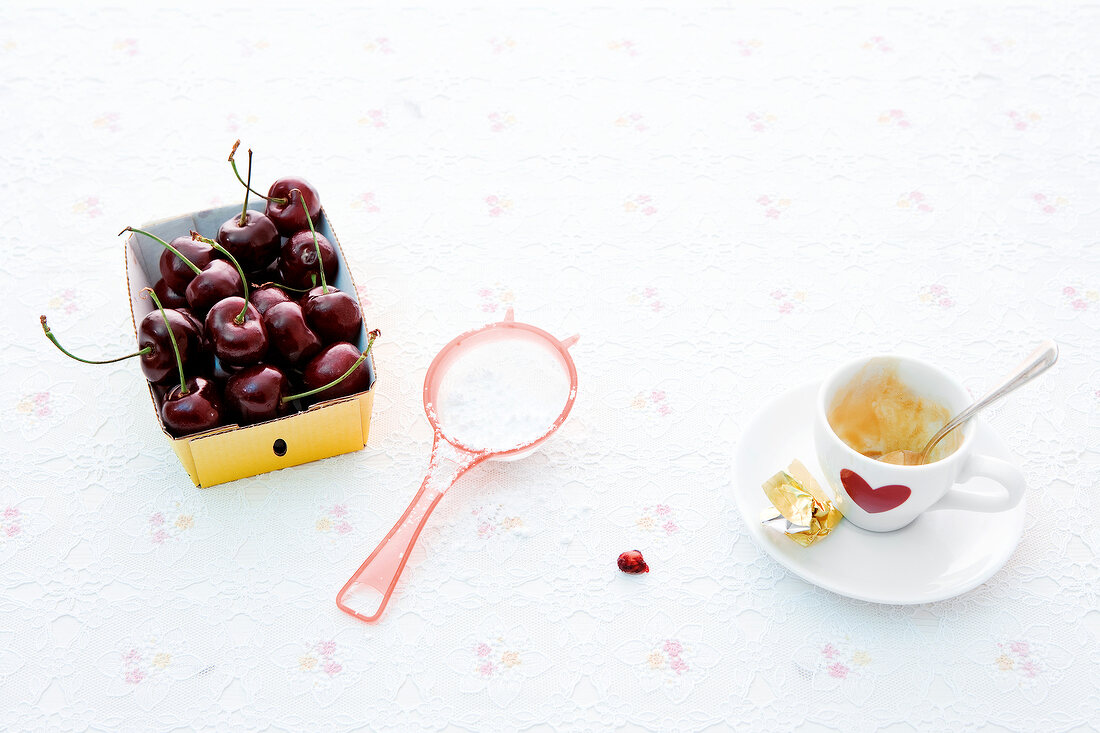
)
(171, 337)
(281, 287)
(247, 188)
(52, 338)
(244, 279)
(366, 352)
(170, 248)
(233, 163)
(309, 220)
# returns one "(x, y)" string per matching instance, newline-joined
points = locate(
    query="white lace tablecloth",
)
(723, 202)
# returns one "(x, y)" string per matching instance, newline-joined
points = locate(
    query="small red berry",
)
(632, 562)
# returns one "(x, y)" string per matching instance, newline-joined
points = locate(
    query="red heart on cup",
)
(873, 501)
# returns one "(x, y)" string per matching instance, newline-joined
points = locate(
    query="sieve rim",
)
(499, 330)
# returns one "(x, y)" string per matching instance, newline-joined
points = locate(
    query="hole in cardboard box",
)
(279, 447)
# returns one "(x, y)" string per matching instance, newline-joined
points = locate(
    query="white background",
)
(722, 201)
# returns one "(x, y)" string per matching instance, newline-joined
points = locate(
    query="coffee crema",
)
(876, 413)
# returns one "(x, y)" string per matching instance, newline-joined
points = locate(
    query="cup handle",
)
(1003, 472)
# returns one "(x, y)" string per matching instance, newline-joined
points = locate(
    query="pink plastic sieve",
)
(372, 584)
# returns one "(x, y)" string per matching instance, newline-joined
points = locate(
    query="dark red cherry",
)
(159, 365)
(267, 296)
(218, 280)
(298, 260)
(255, 393)
(236, 344)
(206, 284)
(330, 364)
(175, 272)
(332, 314)
(169, 298)
(289, 334)
(287, 211)
(255, 243)
(198, 410)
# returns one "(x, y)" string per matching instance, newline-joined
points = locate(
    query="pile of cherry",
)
(246, 327)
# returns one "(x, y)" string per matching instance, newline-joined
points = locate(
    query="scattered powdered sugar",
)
(502, 394)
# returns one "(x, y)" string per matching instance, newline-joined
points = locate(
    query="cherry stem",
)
(247, 188)
(366, 352)
(233, 163)
(52, 338)
(244, 280)
(171, 337)
(317, 244)
(281, 287)
(170, 248)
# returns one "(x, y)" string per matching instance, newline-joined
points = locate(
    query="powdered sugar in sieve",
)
(502, 394)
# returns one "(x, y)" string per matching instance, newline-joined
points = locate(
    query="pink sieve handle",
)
(374, 581)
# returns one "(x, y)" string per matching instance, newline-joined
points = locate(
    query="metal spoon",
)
(1039, 361)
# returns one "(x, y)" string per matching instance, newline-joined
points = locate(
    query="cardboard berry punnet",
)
(231, 452)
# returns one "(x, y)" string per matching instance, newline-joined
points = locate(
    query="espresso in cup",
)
(879, 404)
(876, 413)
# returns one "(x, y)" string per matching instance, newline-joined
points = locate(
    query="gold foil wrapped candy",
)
(800, 508)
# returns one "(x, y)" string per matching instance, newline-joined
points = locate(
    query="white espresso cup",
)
(881, 496)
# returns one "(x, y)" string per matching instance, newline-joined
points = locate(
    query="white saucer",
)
(940, 555)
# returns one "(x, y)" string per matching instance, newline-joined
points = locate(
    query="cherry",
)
(159, 364)
(168, 296)
(266, 296)
(332, 314)
(215, 281)
(298, 259)
(192, 406)
(237, 339)
(285, 200)
(218, 279)
(251, 237)
(339, 370)
(289, 334)
(236, 329)
(255, 393)
(285, 208)
(155, 350)
(175, 271)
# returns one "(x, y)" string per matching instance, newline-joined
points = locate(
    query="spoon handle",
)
(1039, 361)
